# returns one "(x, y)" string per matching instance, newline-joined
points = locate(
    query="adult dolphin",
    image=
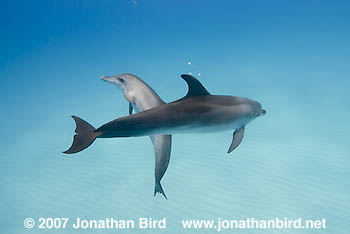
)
(198, 111)
(142, 97)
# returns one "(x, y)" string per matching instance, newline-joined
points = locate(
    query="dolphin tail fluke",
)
(158, 189)
(84, 137)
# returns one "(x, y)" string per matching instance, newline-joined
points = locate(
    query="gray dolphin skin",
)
(142, 97)
(197, 112)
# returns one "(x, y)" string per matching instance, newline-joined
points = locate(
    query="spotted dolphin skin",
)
(142, 97)
(197, 112)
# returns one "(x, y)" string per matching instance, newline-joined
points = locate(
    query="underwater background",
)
(291, 56)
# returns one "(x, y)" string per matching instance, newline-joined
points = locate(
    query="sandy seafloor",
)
(293, 57)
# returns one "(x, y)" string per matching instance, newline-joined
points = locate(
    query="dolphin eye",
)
(121, 80)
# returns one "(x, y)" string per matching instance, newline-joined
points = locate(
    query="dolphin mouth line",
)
(105, 78)
(263, 112)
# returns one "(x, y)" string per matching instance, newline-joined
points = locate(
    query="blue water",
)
(291, 56)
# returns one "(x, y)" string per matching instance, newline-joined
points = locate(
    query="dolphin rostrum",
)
(142, 97)
(198, 111)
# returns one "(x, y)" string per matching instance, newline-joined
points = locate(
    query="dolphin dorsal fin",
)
(195, 88)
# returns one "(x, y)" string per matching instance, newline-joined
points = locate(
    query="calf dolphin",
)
(142, 97)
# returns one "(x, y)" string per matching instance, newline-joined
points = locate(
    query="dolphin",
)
(142, 97)
(197, 112)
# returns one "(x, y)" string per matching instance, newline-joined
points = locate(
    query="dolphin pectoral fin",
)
(237, 139)
(153, 139)
(130, 108)
(195, 87)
